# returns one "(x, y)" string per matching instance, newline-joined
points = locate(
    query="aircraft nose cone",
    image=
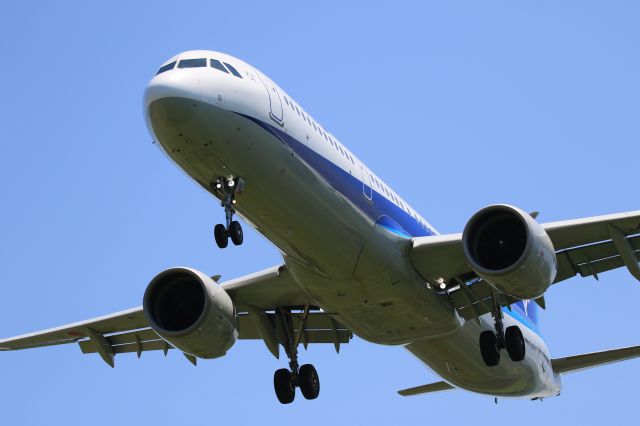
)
(171, 85)
(161, 90)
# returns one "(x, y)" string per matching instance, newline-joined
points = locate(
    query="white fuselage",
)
(344, 234)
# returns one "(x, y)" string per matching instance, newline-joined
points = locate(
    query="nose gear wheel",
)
(227, 189)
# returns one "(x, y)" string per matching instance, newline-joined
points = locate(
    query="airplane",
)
(357, 258)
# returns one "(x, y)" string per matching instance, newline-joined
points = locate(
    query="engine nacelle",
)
(189, 310)
(511, 251)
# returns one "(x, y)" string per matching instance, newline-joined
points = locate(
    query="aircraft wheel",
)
(283, 384)
(514, 341)
(221, 236)
(309, 381)
(489, 348)
(235, 232)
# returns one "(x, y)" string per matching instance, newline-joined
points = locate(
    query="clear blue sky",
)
(455, 104)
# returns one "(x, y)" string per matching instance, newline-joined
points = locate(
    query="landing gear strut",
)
(227, 189)
(492, 342)
(305, 377)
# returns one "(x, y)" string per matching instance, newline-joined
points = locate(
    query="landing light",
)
(231, 183)
(443, 286)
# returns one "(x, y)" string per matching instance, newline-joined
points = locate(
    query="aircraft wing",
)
(583, 246)
(255, 297)
(597, 244)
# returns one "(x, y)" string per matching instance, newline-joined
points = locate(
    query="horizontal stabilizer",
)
(580, 362)
(431, 387)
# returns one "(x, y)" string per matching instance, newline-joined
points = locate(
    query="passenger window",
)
(233, 70)
(297, 110)
(314, 126)
(166, 67)
(192, 63)
(217, 65)
(286, 101)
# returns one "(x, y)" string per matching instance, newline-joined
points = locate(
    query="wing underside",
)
(265, 301)
(585, 247)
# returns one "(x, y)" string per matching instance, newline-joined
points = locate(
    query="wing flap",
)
(120, 321)
(581, 362)
(475, 299)
(88, 347)
(593, 259)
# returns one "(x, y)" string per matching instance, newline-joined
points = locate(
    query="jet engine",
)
(189, 310)
(511, 251)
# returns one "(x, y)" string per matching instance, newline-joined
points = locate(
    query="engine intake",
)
(510, 250)
(187, 309)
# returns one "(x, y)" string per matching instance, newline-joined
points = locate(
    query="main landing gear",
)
(227, 189)
(510, 339)
(305, 377)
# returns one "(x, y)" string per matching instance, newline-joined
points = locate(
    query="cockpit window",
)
(233, 70)
(166, 67)
(217, 65)
(192, 63)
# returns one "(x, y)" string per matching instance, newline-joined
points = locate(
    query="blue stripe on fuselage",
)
(351, 187)
(380, 209)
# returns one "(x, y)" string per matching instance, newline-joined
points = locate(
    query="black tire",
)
(489, 348)
(235, 232)
(283, 384)
(514, 341)
(221, 236)
(309, 381)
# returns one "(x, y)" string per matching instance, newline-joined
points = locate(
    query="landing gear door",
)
(275, 101)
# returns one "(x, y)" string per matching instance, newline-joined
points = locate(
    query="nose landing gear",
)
(227, 189)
